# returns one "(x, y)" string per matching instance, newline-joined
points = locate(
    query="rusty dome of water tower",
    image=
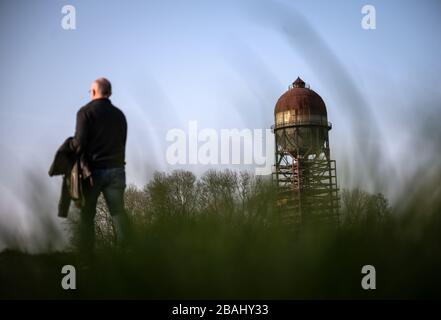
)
(301, 99)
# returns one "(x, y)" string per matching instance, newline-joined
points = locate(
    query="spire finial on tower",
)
(299, 83)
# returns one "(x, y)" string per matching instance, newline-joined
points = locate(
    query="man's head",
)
(100, 88)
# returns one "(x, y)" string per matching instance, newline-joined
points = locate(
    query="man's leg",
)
(113, 193)
(87, 221)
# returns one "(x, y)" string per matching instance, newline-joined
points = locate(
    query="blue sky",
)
(224, 64)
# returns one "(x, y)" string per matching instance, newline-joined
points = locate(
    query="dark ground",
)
(213, 260)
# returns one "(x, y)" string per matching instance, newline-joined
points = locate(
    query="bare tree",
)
(360, 207)
(173, 194)
(138, 207)
(218, 192)
(183, 192)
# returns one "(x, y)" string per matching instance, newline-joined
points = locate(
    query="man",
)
(100, 135)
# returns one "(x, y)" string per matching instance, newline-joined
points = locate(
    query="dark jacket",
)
(99, 142)
(74, 169)
(101, 134)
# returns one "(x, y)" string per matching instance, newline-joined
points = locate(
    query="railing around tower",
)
(285, 119)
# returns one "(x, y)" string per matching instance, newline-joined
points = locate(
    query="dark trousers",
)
(111, 183)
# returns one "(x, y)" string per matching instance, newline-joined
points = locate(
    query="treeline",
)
(228, 197)
(223, 229)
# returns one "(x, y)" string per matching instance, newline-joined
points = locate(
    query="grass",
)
(210, 256)
(204, 260)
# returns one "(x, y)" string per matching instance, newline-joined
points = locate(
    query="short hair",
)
(104, 86)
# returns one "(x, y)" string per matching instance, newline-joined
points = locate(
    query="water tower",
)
(304, 172)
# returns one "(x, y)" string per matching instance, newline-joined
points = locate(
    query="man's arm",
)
(78, 143)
